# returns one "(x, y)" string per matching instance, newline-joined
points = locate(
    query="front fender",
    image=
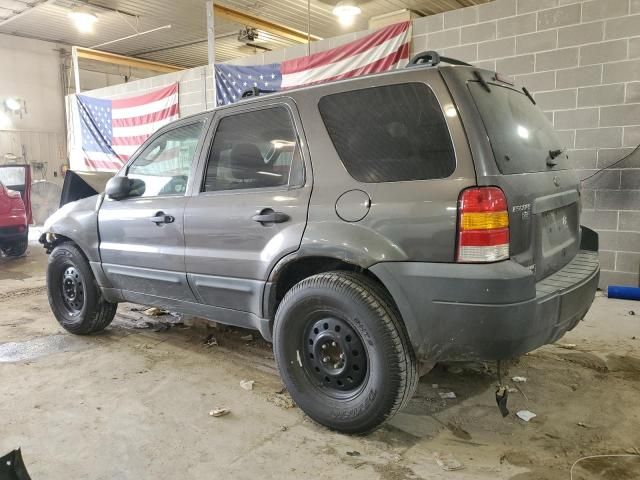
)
(77, 221)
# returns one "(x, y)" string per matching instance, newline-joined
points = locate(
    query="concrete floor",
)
(134, 403)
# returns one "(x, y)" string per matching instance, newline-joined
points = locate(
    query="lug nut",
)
(324, 346)
(342, 356)
(336, 365)
(333, 344)
(325, 359)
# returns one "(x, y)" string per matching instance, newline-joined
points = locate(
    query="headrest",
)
(246, 161)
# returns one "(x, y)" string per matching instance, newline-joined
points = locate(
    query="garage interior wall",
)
(580, 58)
(31, 72)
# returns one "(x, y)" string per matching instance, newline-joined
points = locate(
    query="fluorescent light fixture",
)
(346, 13)
(83, 19)
(13, 104)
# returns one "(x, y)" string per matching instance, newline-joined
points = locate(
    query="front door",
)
(251, 208)
(141, 238)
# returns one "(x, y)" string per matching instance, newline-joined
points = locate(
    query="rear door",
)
(251, 208)
(527, 161)
(18, 178)
(141, 238)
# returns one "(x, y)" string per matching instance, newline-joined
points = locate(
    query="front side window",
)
(165, 164)
(389, 134)
(257, 149)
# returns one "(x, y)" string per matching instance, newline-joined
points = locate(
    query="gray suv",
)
(368, 227)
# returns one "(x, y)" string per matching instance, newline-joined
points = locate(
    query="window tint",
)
(165, 164)
(389, 134)
(521, 135)
(256, 149)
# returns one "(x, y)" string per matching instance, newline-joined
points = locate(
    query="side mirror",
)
(119, 188)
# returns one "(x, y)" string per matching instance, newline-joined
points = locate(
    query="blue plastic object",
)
(624, 292)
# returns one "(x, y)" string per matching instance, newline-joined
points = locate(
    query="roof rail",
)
(431, 59)
(255, 92)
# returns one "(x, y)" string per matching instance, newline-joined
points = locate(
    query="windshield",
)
(12, 176)
(521, 135)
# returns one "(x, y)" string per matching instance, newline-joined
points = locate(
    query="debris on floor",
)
(247, 338)
(447, 462)
(519, 379)
(155, 312)
(525, 415)
(566, 346)
(219, 412)
(447, 395)
(283, 428)
(12, 466)
(210, 341)
(353, 453)
(247, 384)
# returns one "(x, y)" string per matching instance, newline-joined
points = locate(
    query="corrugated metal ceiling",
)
(184, 44)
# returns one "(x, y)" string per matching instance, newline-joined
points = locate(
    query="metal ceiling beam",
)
(262, 24)
(123, 60)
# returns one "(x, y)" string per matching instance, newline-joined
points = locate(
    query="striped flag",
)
(382, 50)
(112, 130)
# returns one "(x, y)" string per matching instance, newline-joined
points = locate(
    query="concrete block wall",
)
(582, 61)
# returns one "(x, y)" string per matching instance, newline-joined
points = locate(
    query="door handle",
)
(161, 218)
(267, 215)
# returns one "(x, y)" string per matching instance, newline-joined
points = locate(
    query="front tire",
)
(343, 352)
(74, 295)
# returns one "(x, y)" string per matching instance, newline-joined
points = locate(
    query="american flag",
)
(379, 51)
(112, 130)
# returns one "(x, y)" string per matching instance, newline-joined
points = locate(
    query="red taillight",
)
(483, 225)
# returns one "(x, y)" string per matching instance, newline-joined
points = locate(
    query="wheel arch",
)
(293, 269)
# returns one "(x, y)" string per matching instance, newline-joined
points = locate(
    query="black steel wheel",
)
(74, 295)
(335, 356)
(72, 287)
(343, 352)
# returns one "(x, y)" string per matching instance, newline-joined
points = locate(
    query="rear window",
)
(389, 134)
(521, 135)
(12, 176)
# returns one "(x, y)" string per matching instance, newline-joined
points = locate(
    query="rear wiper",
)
(553, 154)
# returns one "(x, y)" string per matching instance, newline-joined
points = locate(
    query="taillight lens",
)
(483, 225)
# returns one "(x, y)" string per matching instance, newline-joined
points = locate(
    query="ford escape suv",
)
(368, 227)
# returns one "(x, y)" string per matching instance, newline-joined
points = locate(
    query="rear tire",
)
(343, 352)
(18, 248)
(74, 295)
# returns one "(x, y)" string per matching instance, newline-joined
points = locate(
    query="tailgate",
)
(544, 218)
(515, 148)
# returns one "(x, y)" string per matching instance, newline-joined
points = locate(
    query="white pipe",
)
(76, 69)
(130, 36)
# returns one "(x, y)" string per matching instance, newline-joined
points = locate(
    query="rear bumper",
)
(12, 233)
(488, 312)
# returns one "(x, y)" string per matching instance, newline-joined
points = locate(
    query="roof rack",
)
(431, 59)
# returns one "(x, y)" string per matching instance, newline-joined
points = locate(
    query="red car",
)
(15, 209)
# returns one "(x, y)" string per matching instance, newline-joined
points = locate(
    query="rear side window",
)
(389, 134)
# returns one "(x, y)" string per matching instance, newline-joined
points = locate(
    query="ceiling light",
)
(346, 13)
(83, 19)
(13, 104)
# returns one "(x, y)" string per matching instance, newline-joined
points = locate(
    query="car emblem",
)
(556, 181)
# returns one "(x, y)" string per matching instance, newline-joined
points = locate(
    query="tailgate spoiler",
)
(78, 185)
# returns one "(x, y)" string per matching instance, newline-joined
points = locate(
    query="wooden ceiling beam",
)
(132, 62)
